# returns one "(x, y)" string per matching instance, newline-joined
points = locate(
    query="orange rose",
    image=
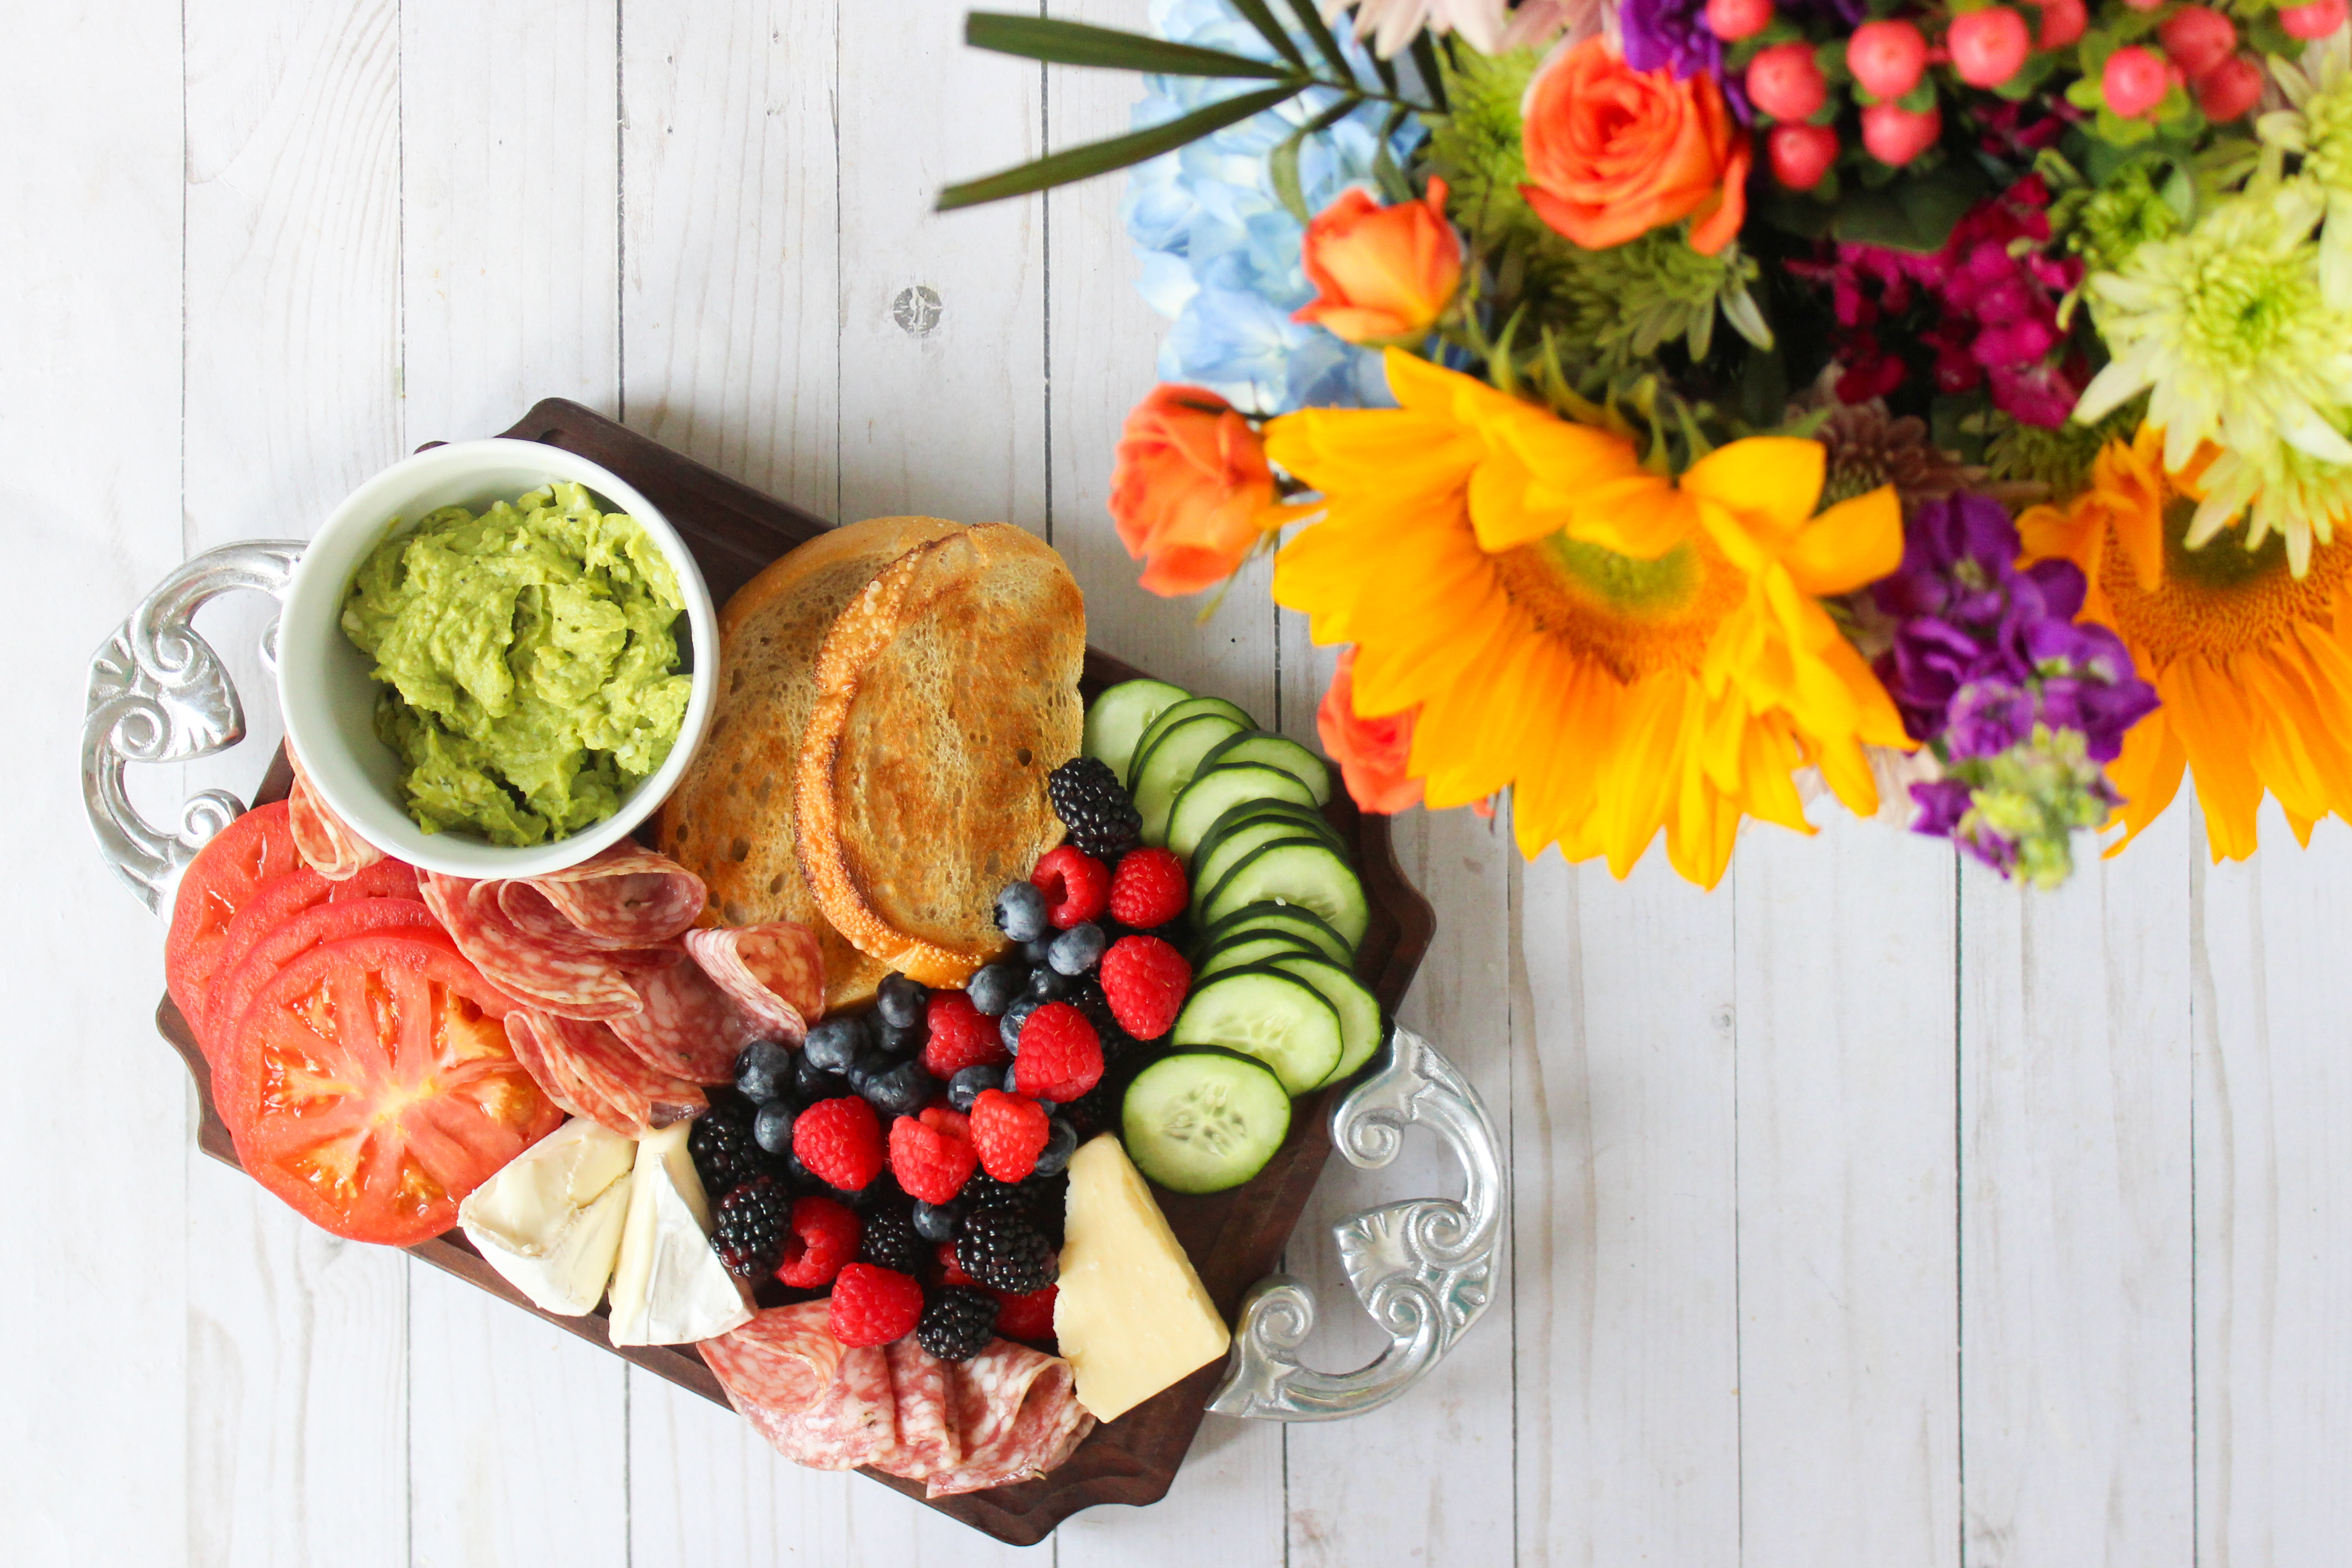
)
(1191, 490)
(1381, 273)
(1613, 153)
(1371, 752)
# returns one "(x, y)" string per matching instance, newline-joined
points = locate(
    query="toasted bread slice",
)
(945, 694)
(730, 820)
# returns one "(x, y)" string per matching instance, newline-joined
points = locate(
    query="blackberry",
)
(1003, 1248)
(957, 1323)
(725, 1156)
(1089, 999)
(1048, 1201)
(1097, 1110)
(983, 1190)
(1101, 818)
(890, 1242)
(749, 1236)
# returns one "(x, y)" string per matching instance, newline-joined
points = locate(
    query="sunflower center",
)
(1632, 617)
(2222, 599)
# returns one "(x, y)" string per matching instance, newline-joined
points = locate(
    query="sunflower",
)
(1626, 651)
(2253, 662)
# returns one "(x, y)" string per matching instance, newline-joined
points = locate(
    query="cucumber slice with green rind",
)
(1215, 790)
(1236, 846)
(1305, 819)
(1204, 1120)
(1361, 1029)
(1164, 766)
(1259, 947)
(1314, 875)
(1277, 750)
(1278, 1018)
(1269, 915)
(1175, 713)
(1117, 720)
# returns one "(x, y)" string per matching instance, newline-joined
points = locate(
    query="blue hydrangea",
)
(1220, 250)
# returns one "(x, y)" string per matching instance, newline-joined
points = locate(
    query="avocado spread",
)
(530, 670)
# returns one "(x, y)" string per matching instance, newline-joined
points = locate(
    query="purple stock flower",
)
(1669, 33)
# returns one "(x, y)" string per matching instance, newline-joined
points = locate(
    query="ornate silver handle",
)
(158, 693)
(1423, 1269)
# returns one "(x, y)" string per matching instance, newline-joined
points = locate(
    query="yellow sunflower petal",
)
(1767, 480)
(1853, 543)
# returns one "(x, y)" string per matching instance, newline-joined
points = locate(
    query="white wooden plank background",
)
(1870, 1212)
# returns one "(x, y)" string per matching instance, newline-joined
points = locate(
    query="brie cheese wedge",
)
(550, 1221)
(669, 1288)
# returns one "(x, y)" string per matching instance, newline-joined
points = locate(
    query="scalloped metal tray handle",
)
(158, 693)
(1423, 1269)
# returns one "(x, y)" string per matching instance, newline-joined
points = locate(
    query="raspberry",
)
(1060, 1057)
(748, 1233)
(950, 1271)
(1004, 1251)
(1029, 1317)
(840, 1142)
(931, 1160)
(1008, 1130)
(960, 1037)
(1149, 888)
(1076, 886)
(1146, 980)
(958, 1322)
(825, 1235)
(873, 1306)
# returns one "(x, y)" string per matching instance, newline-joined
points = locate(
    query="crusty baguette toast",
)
(945, 694)
(730, 820)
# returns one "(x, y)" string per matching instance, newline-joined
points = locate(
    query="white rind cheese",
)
(669, 1288)
(550, 1221)
(1131, 1316)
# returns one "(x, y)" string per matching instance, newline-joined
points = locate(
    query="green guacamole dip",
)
(529, 667)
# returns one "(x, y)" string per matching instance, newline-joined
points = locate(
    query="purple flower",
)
(1988, 717)
(1670, 32)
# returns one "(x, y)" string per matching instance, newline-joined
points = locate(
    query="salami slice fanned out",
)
(328, 844)
(1018, 1416)
(781, 1363)
(776, 970)
(685, 1024)
(923, 1386)
(855, 1424)
(624, 897)
(584, 1068)
(576, 981)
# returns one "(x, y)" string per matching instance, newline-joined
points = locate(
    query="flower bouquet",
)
(1678, 406)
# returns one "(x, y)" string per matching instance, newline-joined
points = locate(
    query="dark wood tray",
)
(1234, 1238)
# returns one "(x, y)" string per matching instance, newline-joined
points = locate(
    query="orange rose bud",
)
(1371, 752)
(1614, 153)
(1381, 274)
(1191, 490)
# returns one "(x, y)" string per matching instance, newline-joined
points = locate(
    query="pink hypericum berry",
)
(1988, 46)
(2134, 81)
(1732, 20)
(2229, 90)
(1895, 136)
(1800, 154)
(2145, 4)
(2315, 20)
(2062, 22)
(1784, 83)
(1887, 57)
(2198, 38)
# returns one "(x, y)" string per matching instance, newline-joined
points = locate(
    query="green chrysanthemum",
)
(2318, 129)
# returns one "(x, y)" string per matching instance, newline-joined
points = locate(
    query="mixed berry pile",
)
(911, 1159)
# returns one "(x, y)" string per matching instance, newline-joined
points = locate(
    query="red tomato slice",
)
(371, 1085)
(236, 983)
(271, 906)
(217, 883)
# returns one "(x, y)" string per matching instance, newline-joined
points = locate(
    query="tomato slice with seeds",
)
(268, 909)
(258, 847)
(369, 1085)
(239, 980)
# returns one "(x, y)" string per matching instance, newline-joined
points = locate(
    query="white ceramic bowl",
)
(329, 699)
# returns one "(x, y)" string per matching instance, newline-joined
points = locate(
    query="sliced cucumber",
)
(1359, 1015)
(1278, 1018)
(1201, 1121)
(1302, 818)
(1314, 875)
(1236, 846)
(1215, 790)
(1279, 752)
(1175, 713)
(1120, 716)
(1258, 947)
(1295, 918)
(1164, 766)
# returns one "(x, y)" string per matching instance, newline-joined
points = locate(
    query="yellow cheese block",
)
(1132, 1315)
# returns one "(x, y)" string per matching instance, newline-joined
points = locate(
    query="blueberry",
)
(870, 1066)
(1049, 984)
(773, 1129)
(882, 1189)
(1021, 911)
(835, 1043)
(903, 1042)
(993, 989)
(904, 1090)
(965, 1087)
(1034, 952)
(900, 1001)
(811, 1083)
(1012, 1084)
(762, 1071)
(1008, 1027)
(804, 1179)
(1077, 950)
(937, 1222)
(1061, 1142)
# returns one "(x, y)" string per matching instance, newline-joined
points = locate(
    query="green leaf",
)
(1325, 44)
(1282, 163)
(1076, 44)
(1915, 213)
(1395, 186)
(1387, 73)
(1117, 152)
(1425, 58)
(1255, 14)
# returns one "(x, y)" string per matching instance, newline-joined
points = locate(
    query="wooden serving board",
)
(1234, 1238)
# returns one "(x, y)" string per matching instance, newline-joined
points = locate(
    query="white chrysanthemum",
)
(1490, 26)
(2302, 498)
(2317, 128)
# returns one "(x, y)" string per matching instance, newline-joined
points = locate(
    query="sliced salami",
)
(625, 896)
(585, 1069)
(776, 970)
(1018, 1416)
(556, 976)
(328, 844)
(781, 1362)
(855, 1424)
(922, 1386)
(685, 1025)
